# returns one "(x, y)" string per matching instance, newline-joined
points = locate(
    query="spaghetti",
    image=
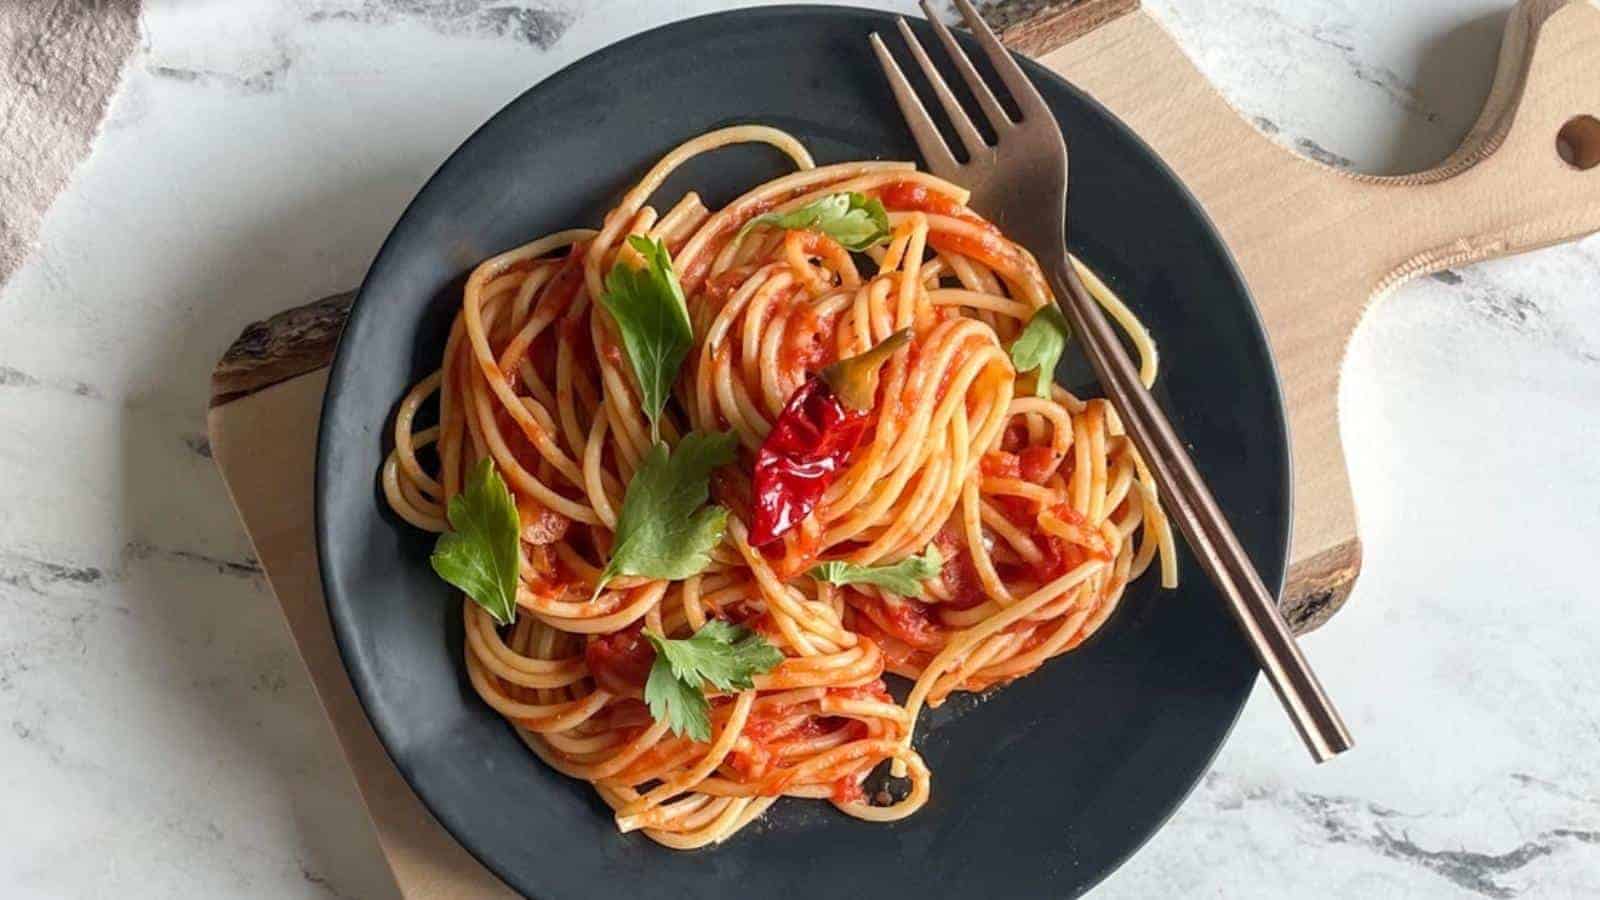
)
(1039, 507)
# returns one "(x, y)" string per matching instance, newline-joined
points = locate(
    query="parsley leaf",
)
(726, 655)
(904, 577)
(1040, 346)
(855, 220)
(647, 304)
(683, 707)
(479, 554)
(722, 653)
(662, 530)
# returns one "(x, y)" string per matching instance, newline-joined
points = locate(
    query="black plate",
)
(1040, 789)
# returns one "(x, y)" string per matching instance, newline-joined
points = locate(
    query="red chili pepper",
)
(805, 451)
(812, 440)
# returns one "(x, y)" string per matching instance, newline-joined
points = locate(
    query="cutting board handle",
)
(1519, 181)
(1316, 244)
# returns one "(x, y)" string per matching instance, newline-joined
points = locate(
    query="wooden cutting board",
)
(1316, 245)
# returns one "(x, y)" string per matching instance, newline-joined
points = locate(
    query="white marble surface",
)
(159, 738)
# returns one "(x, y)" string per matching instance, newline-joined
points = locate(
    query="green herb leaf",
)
(726, 655)
(904, 577)
(479, 553)
(855, 220)
(722, 653)
(647, 304)
(683, 707)
(664, 529)
(1040, 346)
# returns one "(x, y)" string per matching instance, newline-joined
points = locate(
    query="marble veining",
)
(16, 378)
(540, 25)
(151, 702)
(1382, 830)
(259, 81)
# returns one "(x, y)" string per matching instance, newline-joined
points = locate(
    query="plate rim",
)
(344, 629)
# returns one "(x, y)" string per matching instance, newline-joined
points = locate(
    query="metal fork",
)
(1029, 159)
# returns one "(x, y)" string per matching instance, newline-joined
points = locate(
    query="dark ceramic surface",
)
(1040, 789)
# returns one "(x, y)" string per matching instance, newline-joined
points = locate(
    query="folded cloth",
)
(60, 61)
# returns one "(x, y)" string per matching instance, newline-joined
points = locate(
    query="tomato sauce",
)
(744, 613)
(797, 551)
(731, 490)
(770, 729)
(814, 243)
(910, 621)
(1098, 549)
(1001, 464)
(1019, 511)
(848, 790)
(807, 341)
(914, 195)
(989, 247)
(750, 763)
(1037, 464)
(1014, 438)
(620, 662)
(629, 716)
(518, 440)
(574, 332)
(1058, 557)
(547, 578)
(896, 651)
(872, 690)
(540, 524)
(960, 575)
(555, 297)
(692, 275)
(558, 295)
(758, 208)
(723, 285)
(911, 394)
(1037, 635)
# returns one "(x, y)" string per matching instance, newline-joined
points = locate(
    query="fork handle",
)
(1189, 501)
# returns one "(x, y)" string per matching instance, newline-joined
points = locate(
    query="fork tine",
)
(1022, 90)
(929, 142)
(970, 138)
(992, 110)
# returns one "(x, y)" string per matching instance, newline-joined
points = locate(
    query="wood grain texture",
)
(271, 485)
(1035, 27)
(291, 343)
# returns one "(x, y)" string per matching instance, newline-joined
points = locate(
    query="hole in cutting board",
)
(1578, 142)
